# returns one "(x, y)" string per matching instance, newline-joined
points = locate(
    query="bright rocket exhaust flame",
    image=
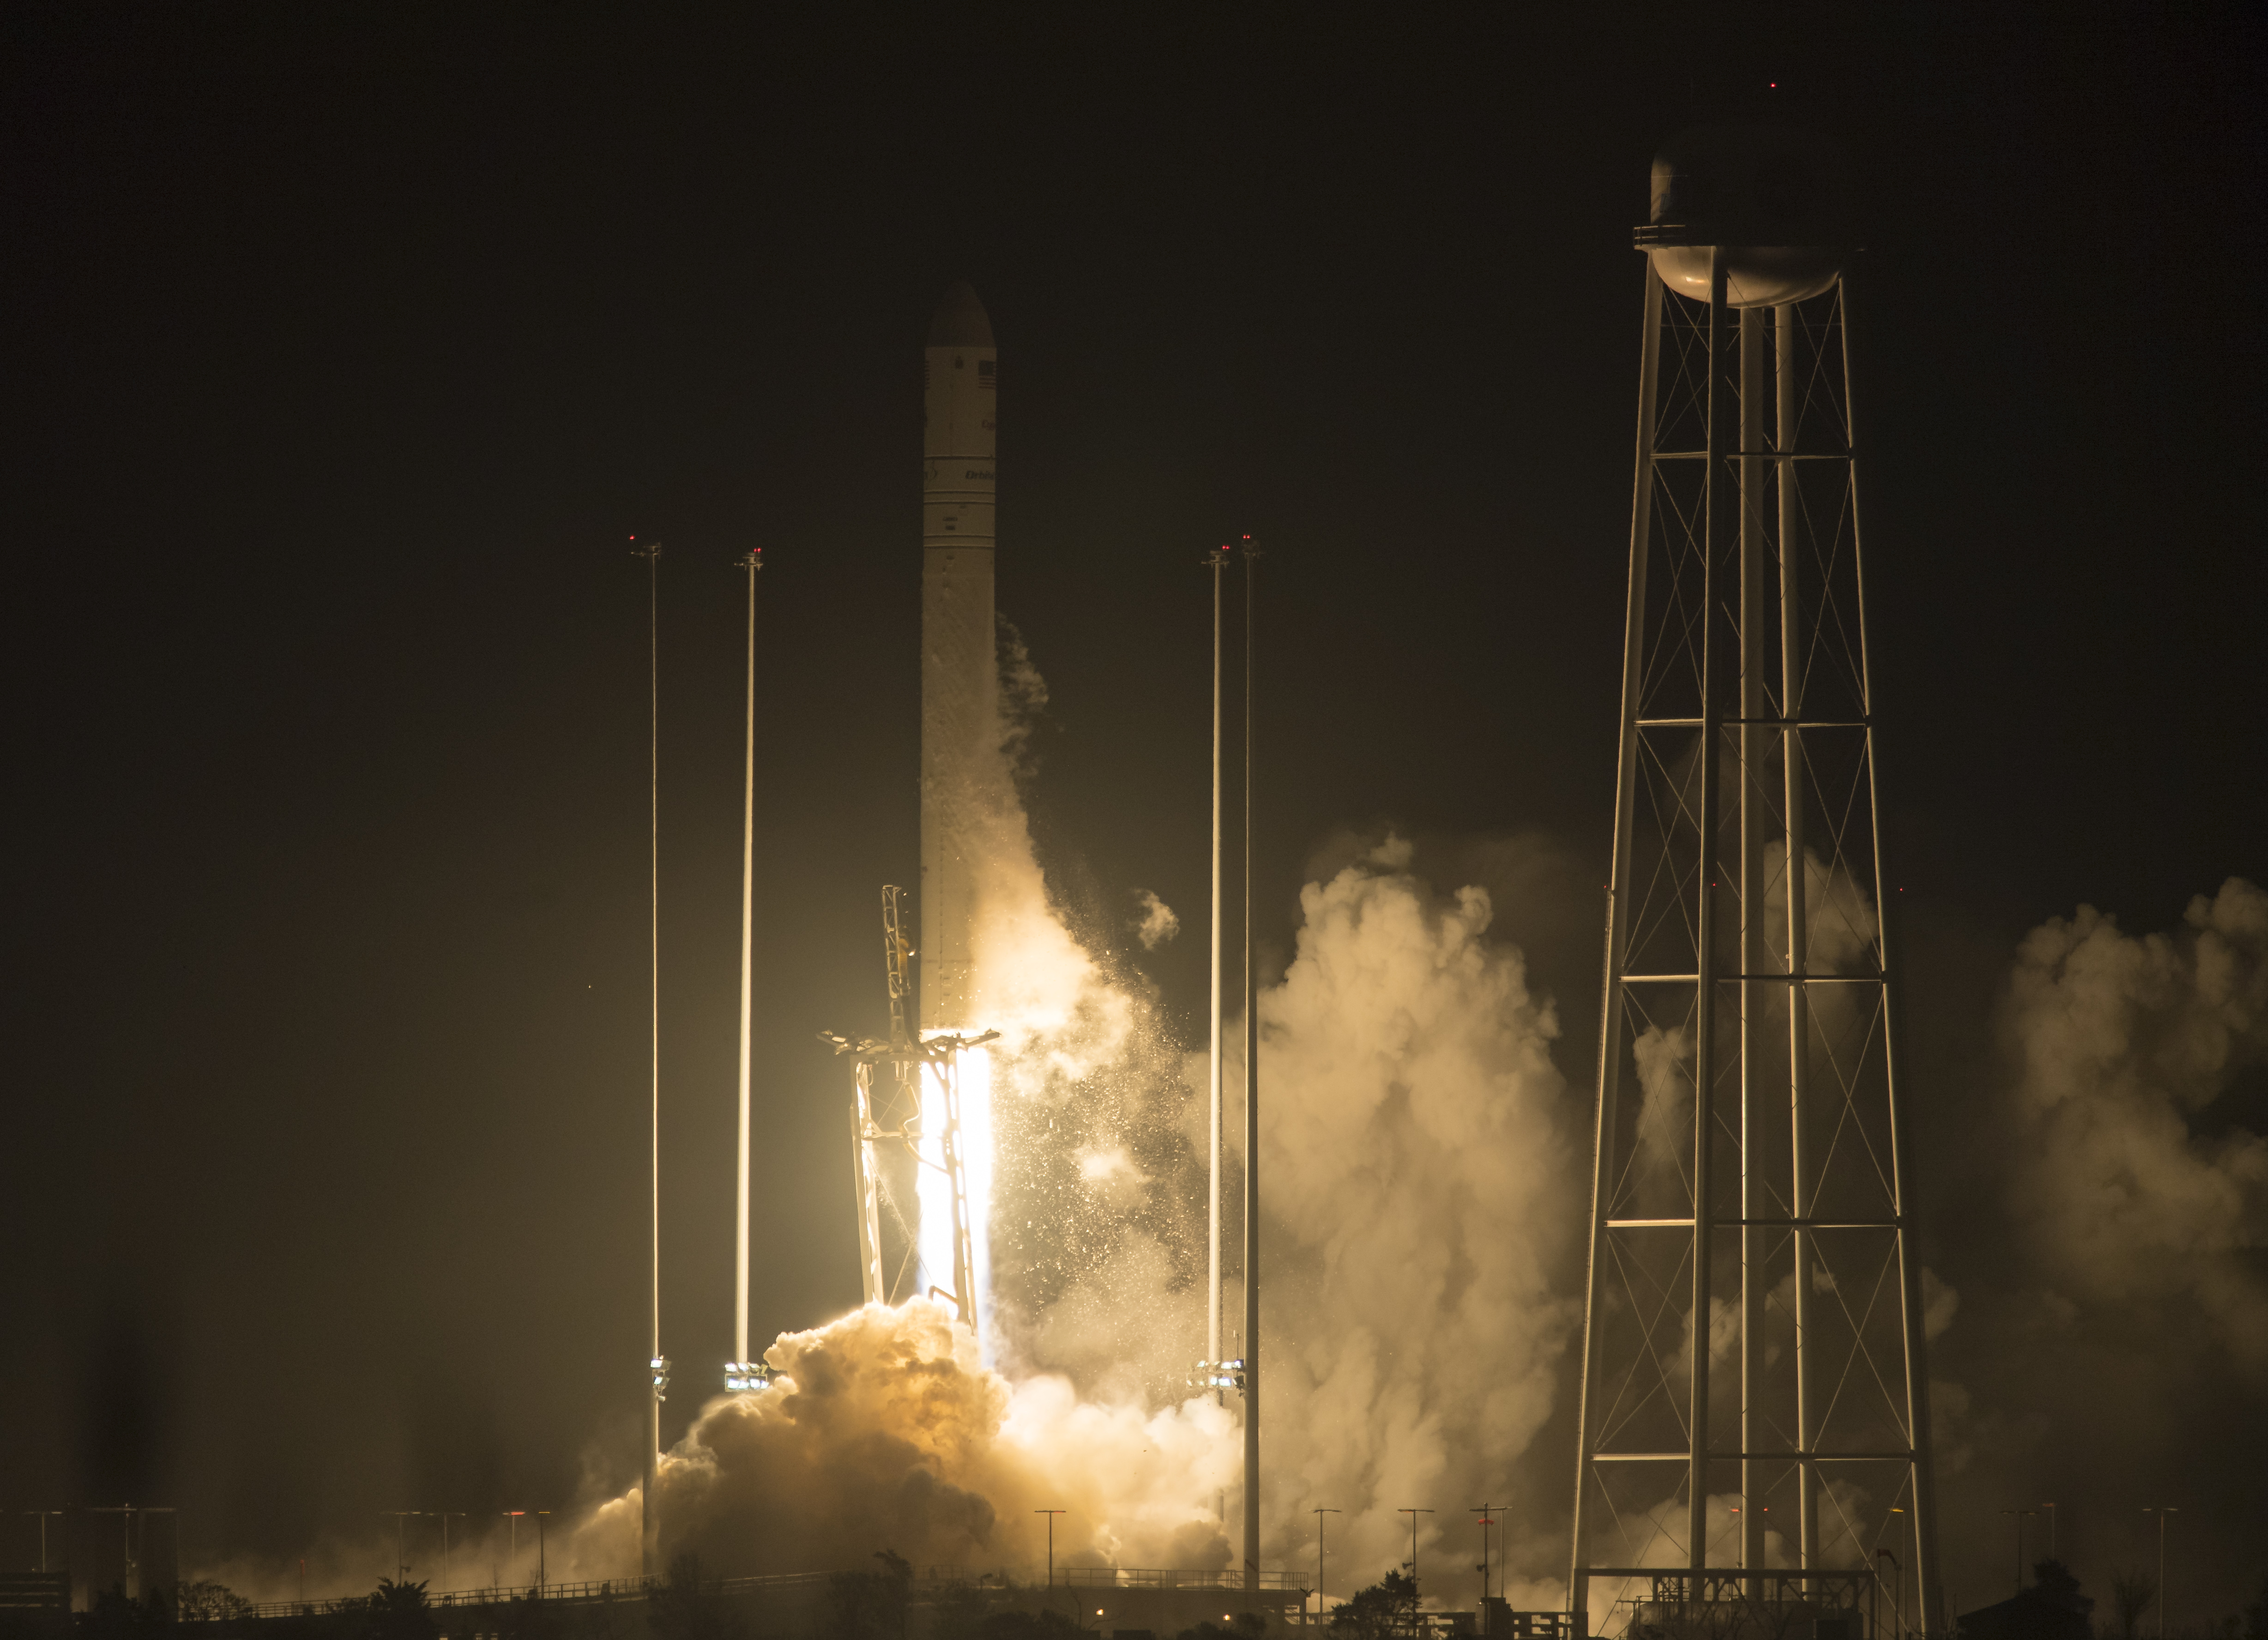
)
(934, 1187)
(977, 1131)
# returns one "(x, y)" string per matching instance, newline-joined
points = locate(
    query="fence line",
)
(937, 1579)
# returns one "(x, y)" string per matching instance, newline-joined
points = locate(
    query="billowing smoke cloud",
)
(1419, 1189)
(1422, 1169)
(2119, 1042)
(1419, 1194)
(1157, 923)
(886, 1429)
(2105, 1223)
(1420, 1185)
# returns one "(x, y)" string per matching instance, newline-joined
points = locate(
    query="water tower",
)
(1755, 1419)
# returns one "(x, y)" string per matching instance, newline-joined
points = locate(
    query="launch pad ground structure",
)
(885, 1114)
(1754, 1394)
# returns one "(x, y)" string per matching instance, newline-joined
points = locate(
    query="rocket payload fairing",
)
(960, 668)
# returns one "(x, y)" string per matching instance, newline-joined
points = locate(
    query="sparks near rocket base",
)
(959, 671)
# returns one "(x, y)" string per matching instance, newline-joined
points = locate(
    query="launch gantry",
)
(888, 1113)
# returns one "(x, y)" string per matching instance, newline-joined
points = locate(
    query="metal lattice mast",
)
(1753, 1421)
(896, 1121)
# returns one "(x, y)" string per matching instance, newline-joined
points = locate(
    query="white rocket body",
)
(960, 741)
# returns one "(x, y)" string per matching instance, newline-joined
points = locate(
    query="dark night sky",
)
(347, 344)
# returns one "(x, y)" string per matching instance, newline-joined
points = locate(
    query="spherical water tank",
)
(1776, 200)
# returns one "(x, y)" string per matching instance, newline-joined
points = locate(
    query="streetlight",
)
(401, 1555)
(542, 1579)
(1319, 1514)
(446, 1515)
(2053, 1555)
(2019, 1514)
(511, 1555)
(1052, 1514)
(131, 1581)
(1486, 1522)
(43, 1514)
(2161, 1512)
(1413, 1514)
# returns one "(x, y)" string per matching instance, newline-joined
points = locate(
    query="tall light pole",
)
(446, 1515)
(2019, 1514)
(1251, 1119)
(2053, 1555)
(401, 1551)
(738, 1374)
(43, 1514)
(1052, 1514)
(1217, 561)
(657, 1366)
(511, 1555)
(1483, 1510)
(132, 1565)
(1319, 1514)
(2161, 1512)
(1413, 1514)
(542, 1577)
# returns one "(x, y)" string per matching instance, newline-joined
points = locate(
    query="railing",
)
(937, 1578)
(1141, 1577)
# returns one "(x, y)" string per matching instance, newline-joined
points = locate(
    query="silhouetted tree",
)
(2132, 1590)
(957, 1612)
(872, 1604)
(400, 1611)
(117, 1615)
(1388, 1607)
(200, 1602)
(2256, 1615)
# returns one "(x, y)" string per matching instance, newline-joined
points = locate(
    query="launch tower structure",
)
(887, 1120)
(1755, 1415)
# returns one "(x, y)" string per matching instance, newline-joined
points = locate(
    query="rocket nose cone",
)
(961, 321)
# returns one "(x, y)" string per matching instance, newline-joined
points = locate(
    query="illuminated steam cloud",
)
(1158, 921)
(1420, 1185)
(1416, 1191)
(1417, 1186)
(2119, 1042)
(887, 1428)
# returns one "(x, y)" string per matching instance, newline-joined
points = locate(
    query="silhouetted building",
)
(2052, 1608)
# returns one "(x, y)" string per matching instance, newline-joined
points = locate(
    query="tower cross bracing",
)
(1754, 1391)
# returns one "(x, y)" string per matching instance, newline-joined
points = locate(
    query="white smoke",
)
(2118, 1042)
(1158, 921)
(1419, 1189)
(886, 1429)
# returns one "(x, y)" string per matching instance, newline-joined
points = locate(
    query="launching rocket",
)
(959, 669)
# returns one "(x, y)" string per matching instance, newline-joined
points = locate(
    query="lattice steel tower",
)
(1752, 1166)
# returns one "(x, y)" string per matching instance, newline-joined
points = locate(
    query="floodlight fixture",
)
(742, 1375)
(1218, 1375)
(659, 1366)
